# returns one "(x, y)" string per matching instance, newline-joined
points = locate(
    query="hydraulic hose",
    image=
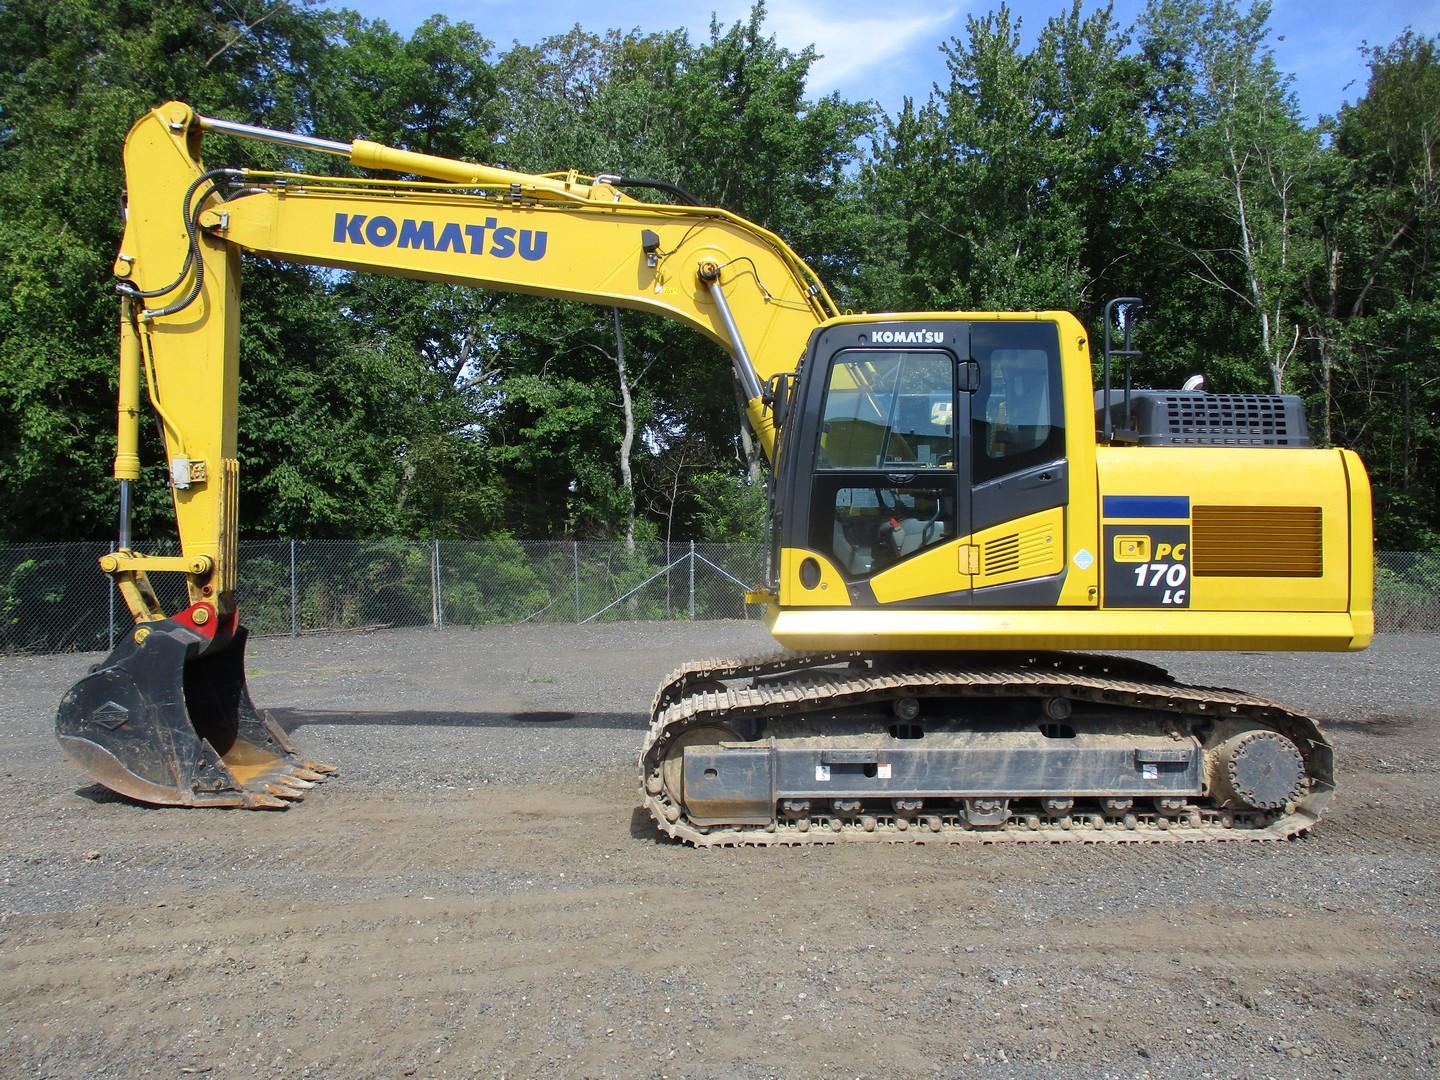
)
(659, 185)
(190, 215)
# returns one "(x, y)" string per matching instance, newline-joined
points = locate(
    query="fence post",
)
(110, 581)
(439, 581)
(576, 549)
(692, 580)
(294, 597)
(435, 585)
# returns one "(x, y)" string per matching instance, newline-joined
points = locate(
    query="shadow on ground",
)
(290, 719)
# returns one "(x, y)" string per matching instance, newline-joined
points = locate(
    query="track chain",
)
(698, 694)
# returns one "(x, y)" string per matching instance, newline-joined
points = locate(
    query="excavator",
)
(958, 519)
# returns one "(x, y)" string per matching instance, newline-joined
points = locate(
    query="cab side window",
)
(1016, 418)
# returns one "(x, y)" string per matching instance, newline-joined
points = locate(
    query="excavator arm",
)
(167, 718)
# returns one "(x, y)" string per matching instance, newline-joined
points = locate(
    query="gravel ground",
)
(476, 895)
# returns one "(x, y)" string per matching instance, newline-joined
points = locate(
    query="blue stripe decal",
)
(1147, 506)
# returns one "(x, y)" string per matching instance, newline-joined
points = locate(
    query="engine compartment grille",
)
(1256, 541)
(1194, 418)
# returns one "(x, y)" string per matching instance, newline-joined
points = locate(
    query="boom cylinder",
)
(740, 358)
(127, 427)
(127, 420)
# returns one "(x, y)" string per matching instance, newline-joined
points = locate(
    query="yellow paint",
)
(1041, 547)
(1362, 545)
(1132, 549)
(939, 569)
(193, 355)
(957, 565)
(119, 561)
(830, 591)
(593, 253)
(127, 440)
(883, 629)
(968, 561)
(372, 155)
(1082, 513)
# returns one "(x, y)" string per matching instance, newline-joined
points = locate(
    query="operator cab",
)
(906, 437)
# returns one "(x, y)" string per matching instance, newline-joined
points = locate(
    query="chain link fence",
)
(53, 597)
(1407, 591)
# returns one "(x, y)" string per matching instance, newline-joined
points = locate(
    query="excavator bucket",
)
(167, 718)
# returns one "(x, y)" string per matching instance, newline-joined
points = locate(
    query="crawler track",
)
(785, 693)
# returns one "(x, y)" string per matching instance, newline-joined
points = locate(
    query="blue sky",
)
(886, 51)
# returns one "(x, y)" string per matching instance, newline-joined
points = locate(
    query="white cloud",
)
(850, 38)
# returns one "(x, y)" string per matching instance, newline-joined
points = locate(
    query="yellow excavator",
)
(955, 511)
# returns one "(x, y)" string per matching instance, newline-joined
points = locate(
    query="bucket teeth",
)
(257, 800)
(306, 773)
(321, 767)
(283, 782)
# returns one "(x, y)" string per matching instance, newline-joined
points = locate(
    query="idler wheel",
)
(672, 765)
(1261, 769)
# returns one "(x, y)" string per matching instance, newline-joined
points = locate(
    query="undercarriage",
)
(951, 748)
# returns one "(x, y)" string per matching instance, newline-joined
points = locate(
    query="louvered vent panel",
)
(1002, 555)
(1256, 541)
(1029, 552)
(1195, 418)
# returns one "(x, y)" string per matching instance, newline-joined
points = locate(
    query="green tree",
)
(1375, 301)
(1013, 186)
(1234, 196)
(73, 76)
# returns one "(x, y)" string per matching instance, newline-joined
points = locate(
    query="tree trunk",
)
(1327, 358)
(627, 441)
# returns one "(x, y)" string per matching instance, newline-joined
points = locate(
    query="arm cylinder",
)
(373, 155)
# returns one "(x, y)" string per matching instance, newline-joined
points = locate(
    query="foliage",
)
(1166, 159)
(728, 508)
(1010, 187)
(1375, 298)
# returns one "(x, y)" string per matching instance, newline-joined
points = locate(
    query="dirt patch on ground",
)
(476, 895)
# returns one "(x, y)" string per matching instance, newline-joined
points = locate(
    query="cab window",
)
(888, 410)
(1017, 419)
(885, 483)
(867, 526)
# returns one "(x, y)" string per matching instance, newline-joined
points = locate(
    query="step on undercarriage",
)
(838, 747)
